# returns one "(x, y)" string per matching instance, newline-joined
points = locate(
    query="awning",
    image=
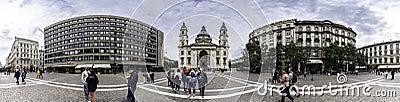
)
(313, 61)
(84, 66)
(388, 66)
(101, 66)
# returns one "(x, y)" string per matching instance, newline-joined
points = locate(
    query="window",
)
(189, 52)
(188, 60)
(217, 52)
(224, 53)
(224, 61)
(300, 28)
(288, 25)
(182, 52)
(287, 33)
(217, 60)
(182, 60)
(308, 28)
(391, 60)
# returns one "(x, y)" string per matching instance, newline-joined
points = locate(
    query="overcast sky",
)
(373, 20)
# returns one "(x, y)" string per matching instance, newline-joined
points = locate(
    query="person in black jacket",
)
(92, 81)
(17, 74)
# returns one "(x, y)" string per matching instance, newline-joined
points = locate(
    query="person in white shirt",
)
(85, 74)
(178, 78)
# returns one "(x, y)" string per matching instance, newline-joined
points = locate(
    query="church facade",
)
(203, 53)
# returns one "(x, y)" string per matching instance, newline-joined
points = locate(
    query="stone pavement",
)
(222, 87)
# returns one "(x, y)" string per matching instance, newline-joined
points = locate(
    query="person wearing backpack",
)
(92, 82)
(292, 80)
(192, 83)
(178, 78)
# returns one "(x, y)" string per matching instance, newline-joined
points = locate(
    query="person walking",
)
(132, 78)
(23, 76)
(284, 80)
(202, 79)
(151, 73)
(275, 77)
(171, 78)
(85, 74)
(17, 74)
(41, 73)
(392, 74)
(185, 74)
(92, 82)
(292, 80)
(192, 83)
(38, 73)
(178, 79)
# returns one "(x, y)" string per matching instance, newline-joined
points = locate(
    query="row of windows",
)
(101, 58)
(98, 39)
(103, 51)
(384, 53)
(189, 60)
(384, 60)
(136, 30)
(140, 39)
(19, 62)
(384, 46)
(189, 53)
(100, 44)
(103, 20)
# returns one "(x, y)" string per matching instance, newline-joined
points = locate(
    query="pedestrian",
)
(85, 74)
(185, 73)
(178, 79)
(151, 73)
(168, 77)
(202, 79)
(92, 82)
(38, 73)
(392, 74)
(17, 74)
(192, 83)
(146, 75)
(23, 76)
(171, 78)
(305, 74)
(132, 78)
(292, 80)
(284, 80)
(41, 73)
(275, 77)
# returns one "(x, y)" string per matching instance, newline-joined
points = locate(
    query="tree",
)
(340, 58)
(254, 51)
(295, 56)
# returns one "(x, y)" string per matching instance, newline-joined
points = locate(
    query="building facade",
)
(203, 53)
(41, 59)
(100, 41)
(309, 36)
(385, 55)
(24, 54)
